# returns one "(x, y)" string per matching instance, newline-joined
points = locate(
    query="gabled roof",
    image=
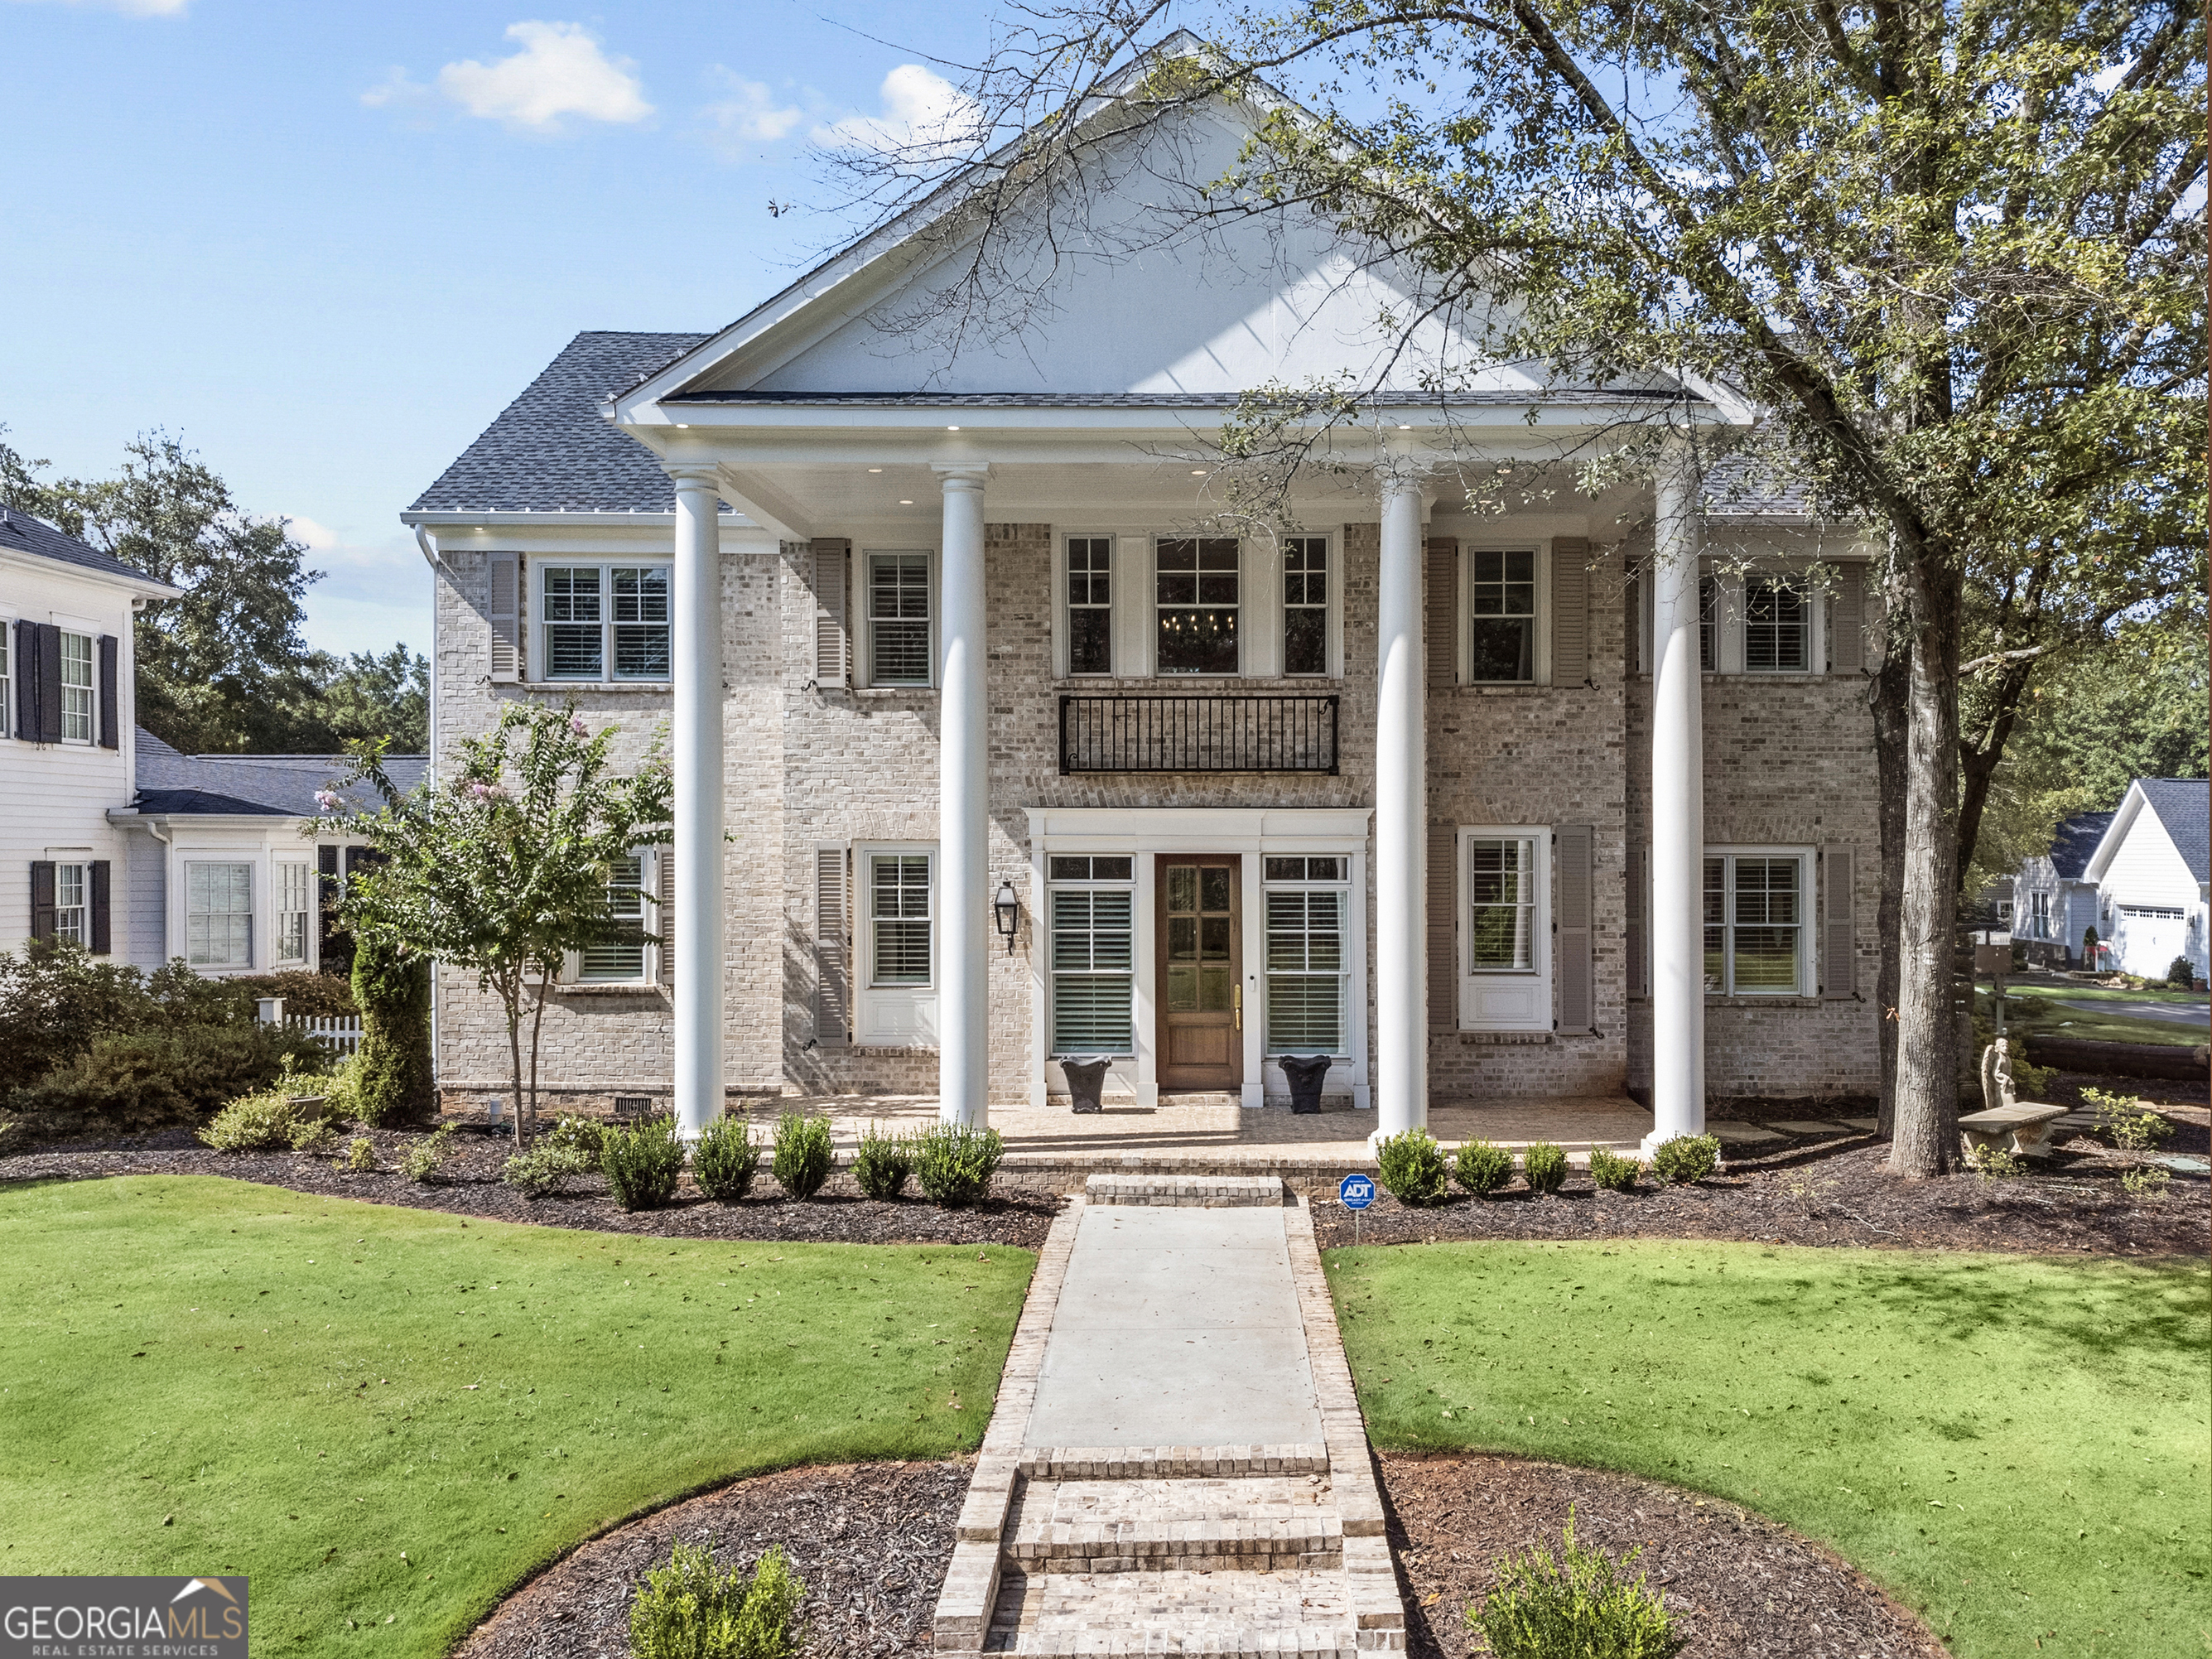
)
(2074, 844)
(21, 533)
(171, 784)
(549, 450)
(2184, 806)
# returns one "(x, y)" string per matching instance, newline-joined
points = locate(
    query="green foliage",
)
(726, 1159)
(306, 995)
(393, 1072)
(165, 1074)
(1482, 1168)
(543, 1169)
(955, 1161)
(361, 1156)
(1612, 1172)
(1686, 1159)
(584, 1134)
(1994, 1164)
(57, 1001)
(2030, 1081)
(1544, 1167)
(262, 1122)
(2146, 1182)
(803, 1154)
(314, 1134)
(1412, 1168)
(1575, 1605)
(422, 1159)
(641, 1164)
(689, 1610)
(883, 1163)
(2130, 1125)
(2181, 973)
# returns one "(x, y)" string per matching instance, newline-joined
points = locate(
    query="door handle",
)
(1240, 1007)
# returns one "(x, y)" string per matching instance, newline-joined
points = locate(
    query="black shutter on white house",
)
(828, 556)
(26, 681)
(1838, 925)
(503, 612)
(1569, 609)
(1441, 623)
(1577, 975)
(1443, 930)
(42, 899)
(101, 906)
(1847, 623)
(110, 736)
(833, 999)
(49, 672)
(1638, 878)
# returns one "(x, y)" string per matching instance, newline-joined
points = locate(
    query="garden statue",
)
(1998, 1088)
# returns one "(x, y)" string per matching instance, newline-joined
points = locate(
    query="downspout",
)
(429, 544)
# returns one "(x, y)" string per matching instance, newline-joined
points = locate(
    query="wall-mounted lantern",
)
(1008, 909)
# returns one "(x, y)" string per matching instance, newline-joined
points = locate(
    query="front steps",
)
(1195, 1191)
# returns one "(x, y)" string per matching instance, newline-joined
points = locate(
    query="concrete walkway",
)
(1176, 1462)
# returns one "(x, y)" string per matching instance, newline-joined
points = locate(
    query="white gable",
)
(2139, 864)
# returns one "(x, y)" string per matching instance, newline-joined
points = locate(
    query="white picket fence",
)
(340, 1036)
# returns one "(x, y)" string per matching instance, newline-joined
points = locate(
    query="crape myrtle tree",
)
(501, 868)
(1950, 255)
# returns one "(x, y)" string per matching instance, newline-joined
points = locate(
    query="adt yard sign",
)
(1356, 1192)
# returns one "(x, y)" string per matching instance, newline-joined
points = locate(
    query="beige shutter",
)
(833, 1000)
(1847, 623)
(1638, 874)
(503, 610)
(1569, 609)
(830, 555)
(1444, 913)
(1577, 981)
(1441, 624)
(1839, 930)
(664, 919)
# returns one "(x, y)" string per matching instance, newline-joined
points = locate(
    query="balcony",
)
(1198, 735)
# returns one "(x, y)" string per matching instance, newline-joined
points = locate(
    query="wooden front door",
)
(1201, 972)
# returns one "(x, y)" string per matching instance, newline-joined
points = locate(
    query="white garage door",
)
(2150, 937)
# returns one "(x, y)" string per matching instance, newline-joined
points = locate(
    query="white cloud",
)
(750, 115)
(136, 8)
(921, 109)
(313, 533)
(559, 71)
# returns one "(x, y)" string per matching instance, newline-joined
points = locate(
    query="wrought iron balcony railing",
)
(1227, 734)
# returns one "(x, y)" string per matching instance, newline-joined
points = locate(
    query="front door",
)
(1200, 973)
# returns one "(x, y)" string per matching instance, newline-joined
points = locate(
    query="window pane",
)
(1286, 870)
(572, 652)
(1716, 913)
(1709, 604)
(899, 902)
(1501, 894)
(1303, 1013)
(902, 953)
(1070, 869)
(620, 952)
(218, 915)
(1502, 648)
(642, 653)
(1090, 640)
(1091, 1014)
(1090, 614)
(1195, 641)
(1305, 605)
(898, 612)
(1197, 596)
(572, 595)
(901, 653)
(1775, 635)
(1113, 869)
(641, 596)
(77, 688)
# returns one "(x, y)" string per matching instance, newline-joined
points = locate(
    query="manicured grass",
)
(386, 1417)
(2016, 1446)
(2042, 1009)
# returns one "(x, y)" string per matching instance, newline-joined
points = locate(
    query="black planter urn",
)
(1085, 1079)
(1306, 1076)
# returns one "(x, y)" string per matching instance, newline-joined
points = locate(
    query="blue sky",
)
(325, 243)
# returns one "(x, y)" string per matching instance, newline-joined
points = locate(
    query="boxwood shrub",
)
(1411, 1166)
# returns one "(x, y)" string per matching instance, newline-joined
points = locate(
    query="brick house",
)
(1571, 799)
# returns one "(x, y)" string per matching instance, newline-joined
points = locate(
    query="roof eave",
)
(146, 587)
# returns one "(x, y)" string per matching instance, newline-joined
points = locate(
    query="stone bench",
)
(2028, 1129)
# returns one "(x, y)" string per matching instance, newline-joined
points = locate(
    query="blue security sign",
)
(1356, 1192)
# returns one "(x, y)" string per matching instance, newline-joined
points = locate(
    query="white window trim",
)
(1471, 985)
(1345, 1014)
(83, 868)
(1094, 885)
(1332, 651)
(89, 634)
(306, 957)
(540, 658)
(7, 672)
(256, 882)
(1463, 629)
(648, 878)
(1261, 589)
(1247, 614)
(1063, 630)
(863, 625)
(892, 1016)
(1807, 942)
(1728, 628)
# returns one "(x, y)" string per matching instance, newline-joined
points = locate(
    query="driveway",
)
(2173, 1013)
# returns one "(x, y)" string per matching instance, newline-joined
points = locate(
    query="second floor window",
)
(898, 619)
(1090, 604)
(72, 905)
(1776, 628)
(1195, 581)
(1502, 599)
(605, 622)
(77, 717)
(1305, 605)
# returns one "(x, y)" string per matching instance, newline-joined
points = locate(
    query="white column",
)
(964, 934)
(697, 604)
(1401, 1003)
(1678, 809)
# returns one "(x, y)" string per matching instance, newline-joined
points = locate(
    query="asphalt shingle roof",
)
(550, 452)
(23, 533)
(2184, 806)
(2075, 843)
(267, 786)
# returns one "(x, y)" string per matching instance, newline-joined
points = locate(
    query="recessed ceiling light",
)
(952, 429)
(905, 503)
(684, 426)
(875, 469)
(1405, 428)
(1198, 472)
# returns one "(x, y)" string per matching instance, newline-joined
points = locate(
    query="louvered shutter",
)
(42, 898)
(1444, 912)
(831, 634)
(26, 681)
(503, 611)
(50, 682)
(1847, 623)
(1631, 625)
(833, 999)
(109, 736)
(1638, 877)
(1569, 609)
(102, 916)
(1577, 980)
(1441, 622)
(665, 917)
(1839, 930)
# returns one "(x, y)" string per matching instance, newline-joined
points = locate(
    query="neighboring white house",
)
(2152, 877)
(2054, 901)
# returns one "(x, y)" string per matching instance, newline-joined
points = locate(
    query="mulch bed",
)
(469, 1184)
(1736, 1582)
(871, 1541)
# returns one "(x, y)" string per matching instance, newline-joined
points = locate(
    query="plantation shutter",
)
(1441, 623)
(831, 635)
(833, 999)
(1638, 874)
(503, 610)
(1444, 913)
(1569, 609)
(1839, 931)
(109, 736)
(1577, 980)
(50, 682)
(26, 681)
(101, 914)
(42, 898)
(664, 924)
(1847, 623)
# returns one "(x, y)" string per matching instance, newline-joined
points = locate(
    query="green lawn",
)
(2016, 1446)
(386, 1417)
(2041, 1009)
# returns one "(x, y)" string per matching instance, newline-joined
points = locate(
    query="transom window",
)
(1777, 627)
(295, 903)
(899, 918)
(72, 905)
(219, 915)
(898, 619)
(1501, 603)
(1090, 604)
(1197, 603)
(604, 621)
(77, 688)
(1305, 905)
(1502, 875)
(1093, 901)
(1754, 921)
(619, 953)
(1305, 605)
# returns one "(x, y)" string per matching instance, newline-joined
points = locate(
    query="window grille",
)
(1196, 600)
(1093, 957)
(77, 719)
(219, 915)
(1754, 923)
(1305, 605)
(1502, 887)
(619, 954)
(899, 913)
(1502, 606)
(295, 902)
(1090, 604)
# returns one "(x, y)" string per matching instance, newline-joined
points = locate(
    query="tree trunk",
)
(1889, 740)
(1924, 1138)
(536, 1024)
(1978, 767)
(512, 997)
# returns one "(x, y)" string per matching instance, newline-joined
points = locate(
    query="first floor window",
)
(1305, 955)
(899, 918)
(219, 915)
(1502, 602)
(619, 953)
(77, 688)
(1093, 954)
(2039, 915)
(295, 903)
(1777, 627)
(1305, 605)
(1195, 602)
(605, 622)
(1502, 891)
(72, 907)
(898, 619)
(1754, 920)
(1090, 604)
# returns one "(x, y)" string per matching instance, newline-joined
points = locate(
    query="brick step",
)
(1195, 1191)
(1171, 1463)
(1256, 1524)
(1226, 1614)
